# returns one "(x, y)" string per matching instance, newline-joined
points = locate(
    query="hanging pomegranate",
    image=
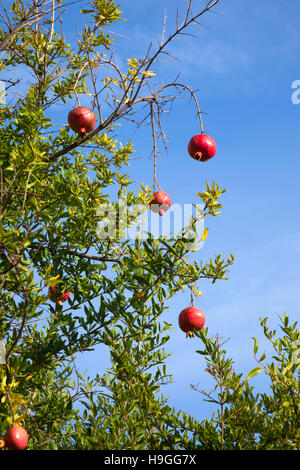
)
(57, 298)
(191, 319)
(16, 438)
(202, 147)
(160, 203)
(82, 120)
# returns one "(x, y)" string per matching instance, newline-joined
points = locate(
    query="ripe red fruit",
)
(15, 438)
(160, 203)
(55, 297)
(82, 120)
(201, 147)
(191, 319)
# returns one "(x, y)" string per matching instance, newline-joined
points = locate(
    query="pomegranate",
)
(160, 203)
(57, 298)
(82, 120)
(15, 438)
(191, 319)
(202, 147)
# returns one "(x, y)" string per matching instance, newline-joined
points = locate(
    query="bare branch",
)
(104, 259)
(122, 108)
(164, 28)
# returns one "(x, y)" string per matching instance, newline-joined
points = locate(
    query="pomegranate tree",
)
(191, 319)
(202, 147)
(56, 297)
(160, 203)
(82, 120)
(15, 438)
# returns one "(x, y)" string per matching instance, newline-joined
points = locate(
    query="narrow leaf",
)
(255, 345)
(262, 357)
(204, 234)
(253, 373)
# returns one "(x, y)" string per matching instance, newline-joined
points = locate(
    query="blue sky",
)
(243, 67)
(243, 63)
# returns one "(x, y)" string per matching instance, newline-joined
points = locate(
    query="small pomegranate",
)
(15, 438)
(201, 147)
(191, 319)
(82, 120)
(160, 203)
(57, 298)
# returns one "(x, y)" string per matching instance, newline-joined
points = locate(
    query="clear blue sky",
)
(243, 67)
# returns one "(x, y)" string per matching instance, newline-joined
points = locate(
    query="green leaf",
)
(262, 357)
(169, 247)
(148, 73)
(253, 373)
(286, 368)
(255, 345)
(204, 234)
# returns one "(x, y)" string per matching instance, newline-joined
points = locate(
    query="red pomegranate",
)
(160, 203)
(15, 438)
(57, 298)
(191, 319)
(82, 120)
(201, 147)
